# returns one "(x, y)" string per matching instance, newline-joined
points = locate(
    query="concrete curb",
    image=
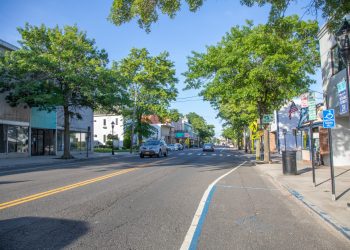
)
(324, 216)
(321, 214)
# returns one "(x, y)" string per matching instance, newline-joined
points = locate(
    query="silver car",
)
(154, 147)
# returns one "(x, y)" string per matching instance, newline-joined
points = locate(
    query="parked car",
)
(154, 147)
(208, 147)
(171, 147)
(179, 146)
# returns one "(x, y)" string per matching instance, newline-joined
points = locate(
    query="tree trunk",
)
(257, 151)
(66, 150)
(266, 145)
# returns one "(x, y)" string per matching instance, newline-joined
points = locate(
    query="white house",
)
(103, 128)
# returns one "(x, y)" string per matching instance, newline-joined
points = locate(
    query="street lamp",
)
(112, 136)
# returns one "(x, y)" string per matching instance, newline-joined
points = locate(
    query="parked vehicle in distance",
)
(179, 146)
(154, 147)
(171, 147)
(208, 147)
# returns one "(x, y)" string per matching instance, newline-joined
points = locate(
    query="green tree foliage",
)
(146, 11)
(151, 87)
(200, 126)
(58, 67)
(256, 69)
(332, 10)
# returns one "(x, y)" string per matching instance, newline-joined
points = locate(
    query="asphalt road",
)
(132, 203)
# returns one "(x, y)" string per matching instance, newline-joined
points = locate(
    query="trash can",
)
(289, 162)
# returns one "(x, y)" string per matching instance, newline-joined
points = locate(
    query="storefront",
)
(13, 139)
(43, 141)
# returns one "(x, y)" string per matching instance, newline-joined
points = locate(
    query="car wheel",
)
(165, 153)
(142, 156)
(159, 153)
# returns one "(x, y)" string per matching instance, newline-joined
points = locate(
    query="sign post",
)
(329, 123)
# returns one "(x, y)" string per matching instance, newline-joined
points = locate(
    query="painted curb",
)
(343, 230)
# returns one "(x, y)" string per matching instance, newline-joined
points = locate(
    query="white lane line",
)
(204, 154)
(228, 155)
(199, 154)
(241, 187)
(189, 154)
(221, 154)
(213, 154)
(190, 233)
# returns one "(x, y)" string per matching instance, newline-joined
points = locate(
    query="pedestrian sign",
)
(328, 118)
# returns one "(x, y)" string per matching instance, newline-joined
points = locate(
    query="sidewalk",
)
(52, 159)
(318, 199)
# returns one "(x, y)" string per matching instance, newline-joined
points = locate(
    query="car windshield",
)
(151, 143)
(207, 144)
(170, 145)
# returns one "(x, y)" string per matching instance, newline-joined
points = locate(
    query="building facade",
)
(103, 128)
(26, 131)
(333, 74)
(14, 122)
(184, 133)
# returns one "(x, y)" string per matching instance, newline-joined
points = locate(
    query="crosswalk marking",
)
(206, 154)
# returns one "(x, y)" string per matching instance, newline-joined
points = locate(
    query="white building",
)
(103, 128)
(333, 73)
(282, 128)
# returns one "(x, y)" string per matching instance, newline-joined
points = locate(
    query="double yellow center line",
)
(72, 186)
(61, 189)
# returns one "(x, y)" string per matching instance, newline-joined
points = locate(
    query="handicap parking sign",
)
(328, 118)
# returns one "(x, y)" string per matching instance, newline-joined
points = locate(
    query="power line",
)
(188, 97)
(188, 101)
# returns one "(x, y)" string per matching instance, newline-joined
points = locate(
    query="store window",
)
(306, 140)
(3, 138)
(116, 121)
(78, 141)
(17, 139)
(337, 62)
(60, 140)
(104, 122)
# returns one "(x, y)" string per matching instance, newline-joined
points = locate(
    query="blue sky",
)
(187, 32)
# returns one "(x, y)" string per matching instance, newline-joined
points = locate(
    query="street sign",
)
(343, 98)
(304, 102)
(267, 119)
(328, 118)
(312, 106)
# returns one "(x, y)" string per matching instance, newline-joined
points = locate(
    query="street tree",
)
(150, 89)
(147, 11)
(256, 69)
(58, 67)
(205, 131)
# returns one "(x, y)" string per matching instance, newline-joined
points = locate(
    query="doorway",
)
(43, 141)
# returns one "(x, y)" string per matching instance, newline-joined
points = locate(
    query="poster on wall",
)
(343, 98)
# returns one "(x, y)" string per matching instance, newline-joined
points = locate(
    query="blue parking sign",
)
(328, 118)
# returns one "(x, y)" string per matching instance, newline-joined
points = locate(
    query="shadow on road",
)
(40, 233)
